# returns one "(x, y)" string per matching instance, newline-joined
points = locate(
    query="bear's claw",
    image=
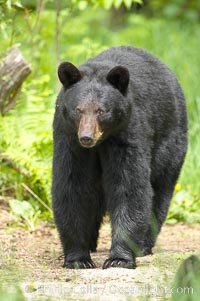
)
(80, 264)
(119, 263)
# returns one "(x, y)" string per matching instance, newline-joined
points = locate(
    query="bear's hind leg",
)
(167, 167)
(163, 188)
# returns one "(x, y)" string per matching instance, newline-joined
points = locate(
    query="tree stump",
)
(13, 71)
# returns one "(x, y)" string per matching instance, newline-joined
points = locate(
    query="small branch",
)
(57, 31)
(36, 197)
(6, 189)
(13, 29)
(57, 6)
(34, 28)
(14, 166)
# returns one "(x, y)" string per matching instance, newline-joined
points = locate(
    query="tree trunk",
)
(13, 71)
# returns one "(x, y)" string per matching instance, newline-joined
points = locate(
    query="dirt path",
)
(35, 260)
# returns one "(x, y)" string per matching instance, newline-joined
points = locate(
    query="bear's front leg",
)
(129, 226)
(128, 194)
(74, 239)
(75, 201)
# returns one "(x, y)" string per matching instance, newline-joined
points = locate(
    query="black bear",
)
(120, 138)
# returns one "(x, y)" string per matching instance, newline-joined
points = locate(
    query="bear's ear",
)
(68, 74)
(119, 78)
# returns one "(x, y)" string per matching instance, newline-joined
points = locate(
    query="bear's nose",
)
(86, 140)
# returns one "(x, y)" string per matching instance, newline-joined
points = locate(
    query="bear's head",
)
(94, 101)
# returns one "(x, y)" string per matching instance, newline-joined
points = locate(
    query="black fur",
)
(132, 170)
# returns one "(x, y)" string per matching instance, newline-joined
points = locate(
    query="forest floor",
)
(34, 260)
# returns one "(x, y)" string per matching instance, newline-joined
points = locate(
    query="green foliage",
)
(11, 293)
(26, 211)
(7, 10)
(83, 4)
(28, 136)
(187, 279)
(185, 207)
(117, 3)
(177, 9)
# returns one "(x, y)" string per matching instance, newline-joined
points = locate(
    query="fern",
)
(26, 136)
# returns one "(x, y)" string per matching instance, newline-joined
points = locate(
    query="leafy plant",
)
(11, 293)
(184, 207)
(8, 9)
(26, 211)
(107, 4)
(186, 281)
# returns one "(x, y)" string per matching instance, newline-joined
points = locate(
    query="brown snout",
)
(89, 131)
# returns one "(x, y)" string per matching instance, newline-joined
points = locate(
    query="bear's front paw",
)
(80, 264)
(119, 263)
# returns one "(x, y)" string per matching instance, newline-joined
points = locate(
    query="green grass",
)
(83, 35)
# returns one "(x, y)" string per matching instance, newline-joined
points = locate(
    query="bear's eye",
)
(100, 112)
(78, 110)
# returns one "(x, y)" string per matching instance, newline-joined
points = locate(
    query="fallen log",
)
(13, 71)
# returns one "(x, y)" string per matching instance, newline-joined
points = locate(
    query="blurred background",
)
(51, 31)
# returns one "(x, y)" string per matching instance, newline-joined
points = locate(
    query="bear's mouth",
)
(88, 141)
(87, 145)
